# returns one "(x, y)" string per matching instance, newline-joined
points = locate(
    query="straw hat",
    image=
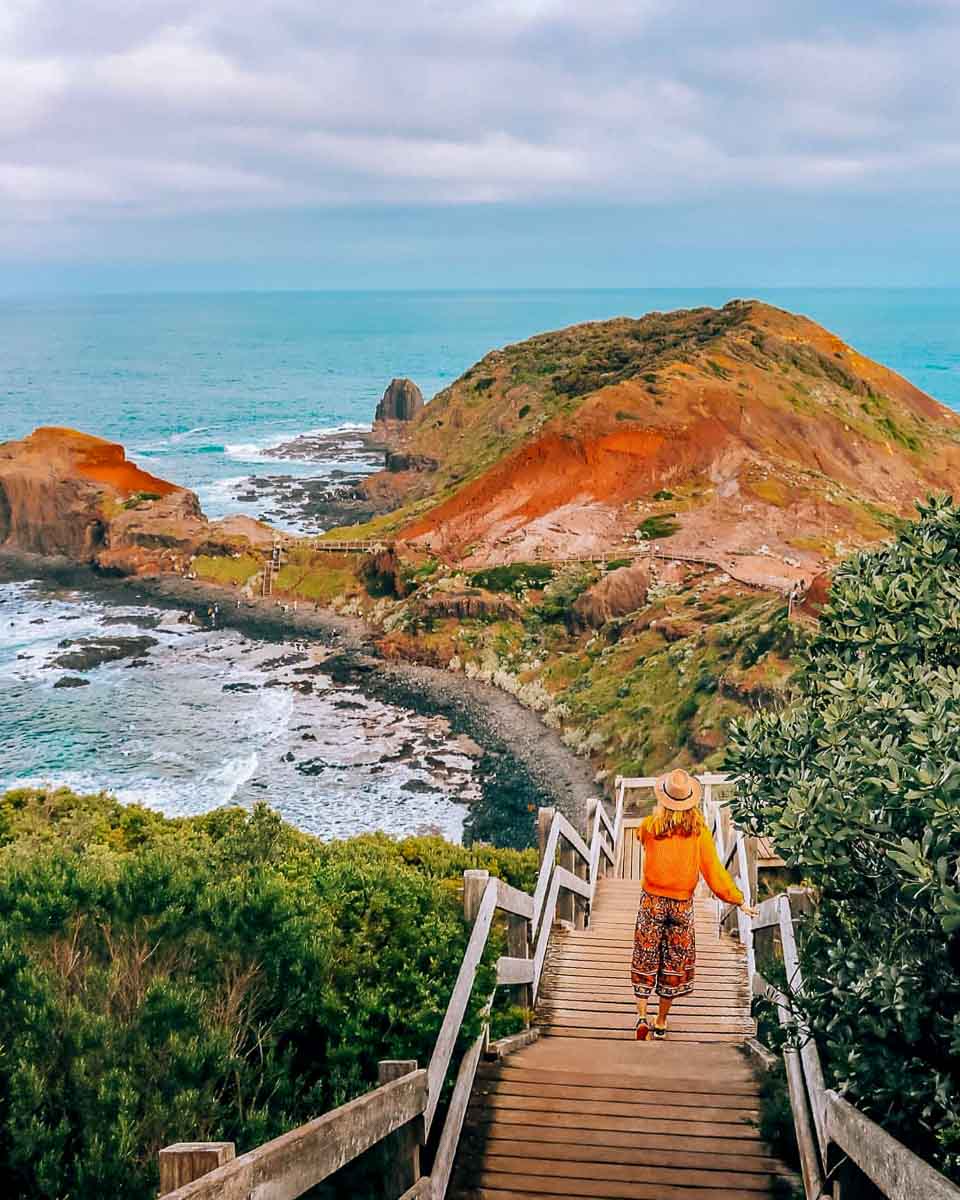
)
(678, 790)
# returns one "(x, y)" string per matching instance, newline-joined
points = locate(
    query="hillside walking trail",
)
(587, 1111)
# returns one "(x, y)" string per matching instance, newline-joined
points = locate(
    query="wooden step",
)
(691, 1125)
(614, 1095)
(704, 991)
(676, 1035)
(677, 1174)
(503, 1185)
(735, 1081)
(553, 1008)
(686, 1022)
(750, 1155)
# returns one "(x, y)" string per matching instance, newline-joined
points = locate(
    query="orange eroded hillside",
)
(743, 431)
(95, 459)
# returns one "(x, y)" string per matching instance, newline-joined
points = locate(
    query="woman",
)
(677, 851)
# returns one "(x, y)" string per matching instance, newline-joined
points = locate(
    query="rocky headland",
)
(618, 523)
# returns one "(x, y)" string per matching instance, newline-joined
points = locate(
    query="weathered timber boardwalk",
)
(587, 1111)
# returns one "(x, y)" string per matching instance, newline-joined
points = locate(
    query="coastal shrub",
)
(217, 977)
(411, 576)
(139, 498)
(513, 577)
(662, 525)
(778, 634)
(858, 784)
(562, 593)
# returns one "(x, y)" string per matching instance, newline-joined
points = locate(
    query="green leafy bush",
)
(219, 977)
(858, 782)
(513, 577)
(562, 593)
(660, 526)
(139, 498)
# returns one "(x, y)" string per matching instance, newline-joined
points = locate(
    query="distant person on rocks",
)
(678, 850)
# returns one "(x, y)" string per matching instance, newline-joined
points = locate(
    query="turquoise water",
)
(196, 386)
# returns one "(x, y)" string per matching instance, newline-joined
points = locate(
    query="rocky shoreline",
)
(335, 497)
(524, 764)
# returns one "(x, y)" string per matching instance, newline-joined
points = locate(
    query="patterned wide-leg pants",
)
(664, 947)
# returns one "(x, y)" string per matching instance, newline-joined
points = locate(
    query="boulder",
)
(400, 402)
(71, 681)
(817, 594)
(398, 461)
(83, 654)
(616, 594)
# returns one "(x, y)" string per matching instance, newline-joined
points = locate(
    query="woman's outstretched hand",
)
(750, 910)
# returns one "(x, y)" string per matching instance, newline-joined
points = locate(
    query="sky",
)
(489, 143)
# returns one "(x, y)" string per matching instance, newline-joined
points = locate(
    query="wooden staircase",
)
(586, 991)
(587, 1111)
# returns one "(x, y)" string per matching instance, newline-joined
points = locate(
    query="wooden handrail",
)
(459, 1000)
(891, 1166)
(300, 1159)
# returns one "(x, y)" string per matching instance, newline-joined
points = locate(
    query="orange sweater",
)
(672, 866)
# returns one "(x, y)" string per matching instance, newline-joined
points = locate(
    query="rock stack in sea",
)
(399, 405)
(400, 402)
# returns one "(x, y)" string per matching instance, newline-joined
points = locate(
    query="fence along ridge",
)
(289, 1166)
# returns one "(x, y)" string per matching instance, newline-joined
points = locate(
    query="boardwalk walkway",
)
(587, 1111)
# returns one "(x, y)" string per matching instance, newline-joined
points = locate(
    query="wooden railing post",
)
(567, 901)
(474, 884)
(594, 833)
(183, 1162)
(753, 873)
(544, 821)
(401, 1149)
(518, 946)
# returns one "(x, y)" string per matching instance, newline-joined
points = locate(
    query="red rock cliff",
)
(63, 492)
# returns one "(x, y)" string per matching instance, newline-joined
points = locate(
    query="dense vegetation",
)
(219, 977)
(859, 784)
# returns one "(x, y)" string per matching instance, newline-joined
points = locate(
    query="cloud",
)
(112, 111)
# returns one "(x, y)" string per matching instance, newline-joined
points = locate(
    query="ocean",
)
(197, 388)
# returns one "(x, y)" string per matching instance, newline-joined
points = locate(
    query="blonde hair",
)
(666, 822)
